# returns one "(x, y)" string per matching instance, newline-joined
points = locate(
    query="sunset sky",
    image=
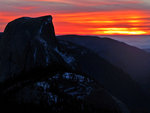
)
(85, 17)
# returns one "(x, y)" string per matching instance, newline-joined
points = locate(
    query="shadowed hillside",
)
(131, 60)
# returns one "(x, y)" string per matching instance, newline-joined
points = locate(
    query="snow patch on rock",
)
(34, 55)
(45, 45)
(44, 85)
(68, 59)
(52, 98)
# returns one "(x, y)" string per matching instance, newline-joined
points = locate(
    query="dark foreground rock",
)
(66, 92)
(40, 73)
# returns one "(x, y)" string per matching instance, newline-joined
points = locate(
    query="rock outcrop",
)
(66, 92)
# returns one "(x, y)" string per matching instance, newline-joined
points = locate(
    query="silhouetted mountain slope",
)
(39, 72)
(131, 60)
(1, 34)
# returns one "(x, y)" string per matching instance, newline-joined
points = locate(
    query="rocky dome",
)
(27, 43)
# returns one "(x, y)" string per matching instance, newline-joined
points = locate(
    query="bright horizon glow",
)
(84, 17)
(119, 31)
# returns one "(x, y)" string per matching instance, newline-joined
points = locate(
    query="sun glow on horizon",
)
(119, 31)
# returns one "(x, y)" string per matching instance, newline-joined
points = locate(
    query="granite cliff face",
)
(27, 43)
(38, 72)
